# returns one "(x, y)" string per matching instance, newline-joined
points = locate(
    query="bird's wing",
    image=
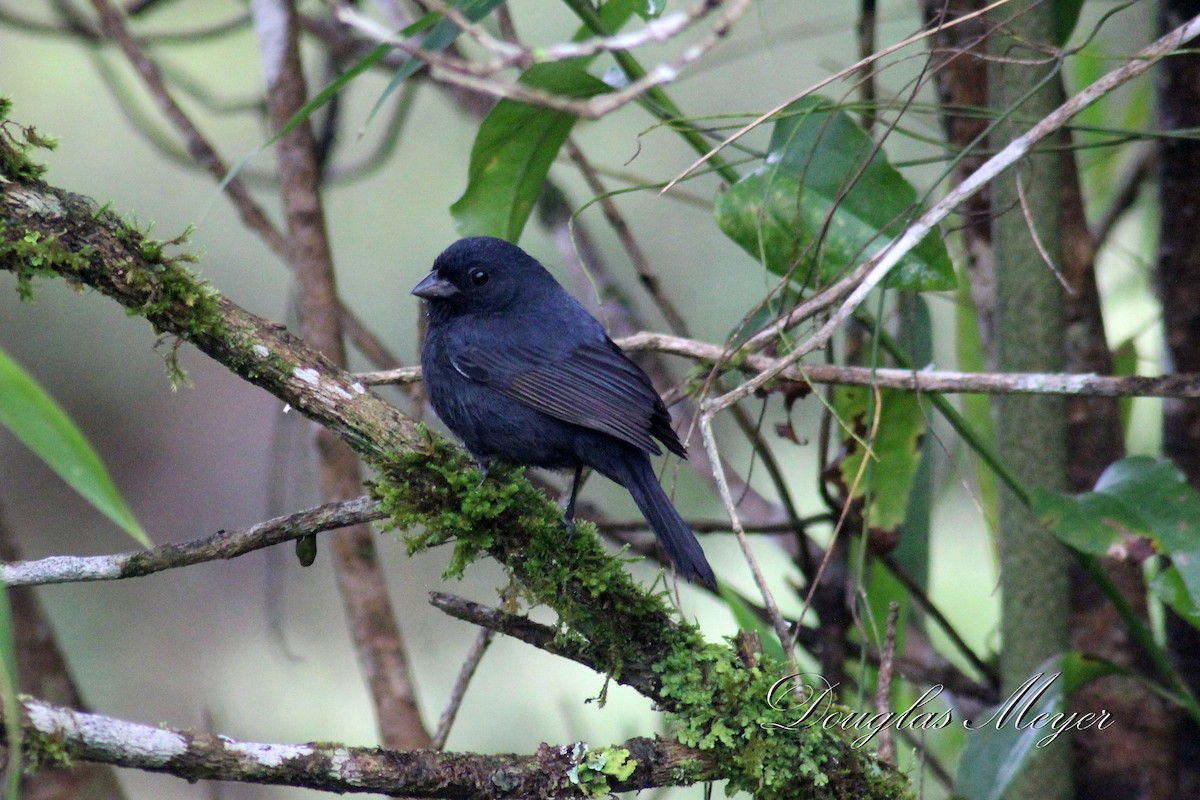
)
(595, 386)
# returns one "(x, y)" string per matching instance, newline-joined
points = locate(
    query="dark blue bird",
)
(521, 372)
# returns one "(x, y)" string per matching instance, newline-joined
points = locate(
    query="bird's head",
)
(482, 275)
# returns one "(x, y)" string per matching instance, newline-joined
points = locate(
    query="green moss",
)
(436, 495)
(721, 705)
(167, 284)
(32, 255)
(16, 142)
(42, 750)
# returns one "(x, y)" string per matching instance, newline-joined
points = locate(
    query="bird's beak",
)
(434, 287)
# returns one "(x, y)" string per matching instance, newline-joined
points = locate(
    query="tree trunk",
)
(1031, 431)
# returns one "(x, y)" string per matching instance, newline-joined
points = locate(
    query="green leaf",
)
(1125, 363)
(821, 167)
(1090, 523)
(1168, 586)
(1134, 497)
(1066, 15)
(650, 9)
(34, 418)
(513, 151)
(889, 475)
(518, 142)
(1002, 740)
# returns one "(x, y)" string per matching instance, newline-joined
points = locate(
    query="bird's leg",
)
(569, 516)
(484, 465)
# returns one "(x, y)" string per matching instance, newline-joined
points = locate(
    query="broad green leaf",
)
(1066, 14)
(824, 200)
(1168, 586)
(889, 475)
(34, 418)
(1134, 497)
(1001, 741)
(513, 151)
(1090, 523)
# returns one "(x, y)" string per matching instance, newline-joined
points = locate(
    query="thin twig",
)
(482, 641)
(720, 525)
(616, 220)
(220, 545)
(918, 595)
(508, 54)
(112, 23)
(640, 676)
(781, 627)
(1037, 240)
(883, 685)
(473, 75)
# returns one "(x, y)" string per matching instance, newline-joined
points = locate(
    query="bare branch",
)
(363, 587)
(1182, 385)
(639, 675)
(471, 663)
(221, 545)
(475, 75)
(64, 733)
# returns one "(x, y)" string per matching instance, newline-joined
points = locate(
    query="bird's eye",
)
(479, 277)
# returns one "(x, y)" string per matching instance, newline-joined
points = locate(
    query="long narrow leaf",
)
(31, 414)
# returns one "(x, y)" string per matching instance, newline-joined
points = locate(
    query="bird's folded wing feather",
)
(595, 386)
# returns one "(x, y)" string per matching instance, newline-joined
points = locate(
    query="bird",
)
(521, 372)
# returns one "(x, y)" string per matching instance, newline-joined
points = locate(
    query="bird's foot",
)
(483, 474)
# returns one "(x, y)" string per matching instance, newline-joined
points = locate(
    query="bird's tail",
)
(672, 532)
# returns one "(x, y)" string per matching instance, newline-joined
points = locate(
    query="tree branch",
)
(221, 545)
(1183, 385)
(56, 733)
